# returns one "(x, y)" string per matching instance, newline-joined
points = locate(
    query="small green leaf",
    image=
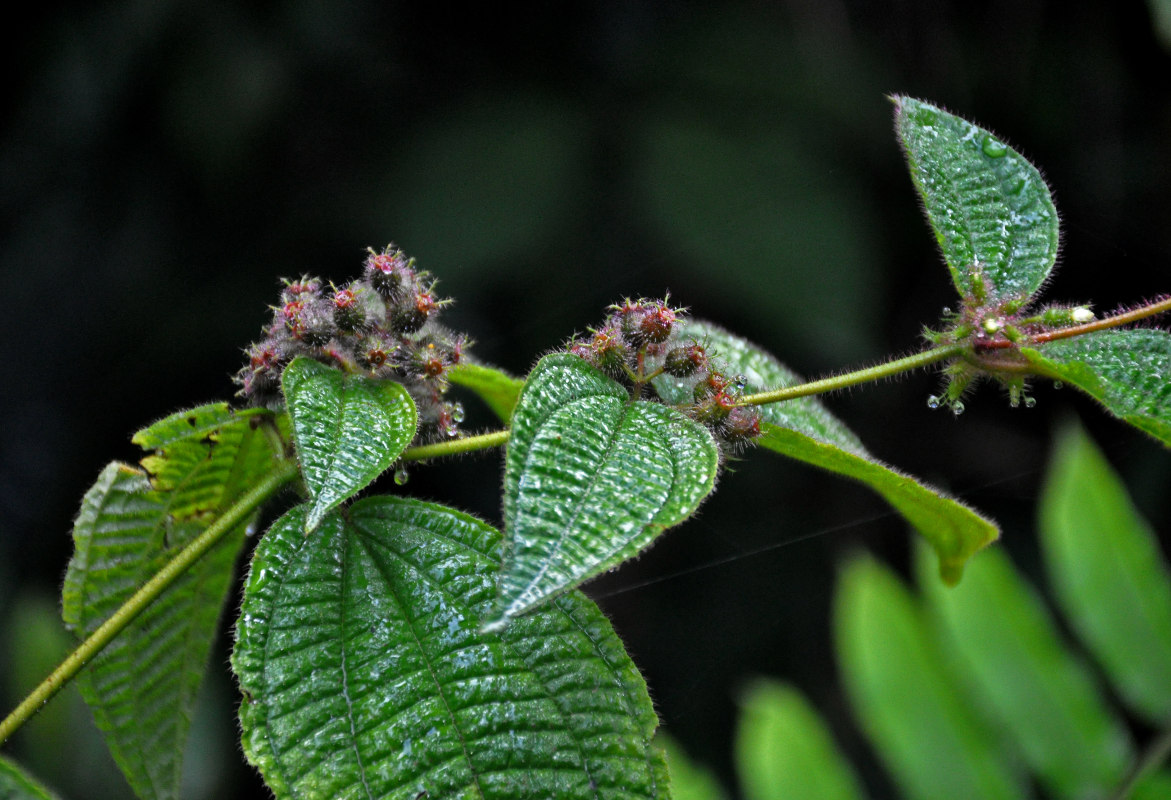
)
(1042, 698)
(990, 208)
(348, 430)
(142, 686)
(591, 479)
(497, 389)
(905, 698)
(689, 780)
(785, 752)
(805, 430)
(1104, 563)
(365, 672)
(1127, 371)
(15, 784)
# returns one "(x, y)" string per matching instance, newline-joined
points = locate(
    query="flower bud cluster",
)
(382, 325)
(642, 340)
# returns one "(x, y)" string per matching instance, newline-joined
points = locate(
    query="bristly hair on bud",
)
(382, 325)
(641, 340)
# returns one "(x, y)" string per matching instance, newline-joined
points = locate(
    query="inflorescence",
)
(642, 340)
(382, 326)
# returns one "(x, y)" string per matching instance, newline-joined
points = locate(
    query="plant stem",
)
(68, 669)
(452, 447)
(1125, 318)
(835, 382)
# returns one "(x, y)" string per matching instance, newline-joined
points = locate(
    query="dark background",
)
(163, 163)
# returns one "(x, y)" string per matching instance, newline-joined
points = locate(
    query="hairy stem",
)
(468, 444)
(1161, 306)
(835, 382)
(284, 472)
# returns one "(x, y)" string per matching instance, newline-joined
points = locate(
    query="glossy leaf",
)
(1127, 371)
(15, 784)
(348, 428)
(497, 389)
(904, 696)
(805, 430)
(1104, 563)
(365, 672)
(1042, 698)
(142, 687)
(591, 479)
(989, 207)
(785, 752)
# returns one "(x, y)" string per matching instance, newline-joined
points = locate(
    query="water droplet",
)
(933, 401)
(457, 412)
(993, 148)
(1030, 402)
(401, 476)
(957, 407)
(1058, 385)
(946, 310)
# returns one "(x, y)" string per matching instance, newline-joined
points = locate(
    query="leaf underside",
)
(1127, 371)
(348, 428)
(365, 672)
(803, 429)
(990, 209)
(591, 479)
(142, 687)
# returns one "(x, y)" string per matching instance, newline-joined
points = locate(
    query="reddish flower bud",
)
(685, 361)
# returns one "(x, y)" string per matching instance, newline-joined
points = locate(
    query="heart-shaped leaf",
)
(805, 430)
(348, 429)
(365, 672)
(990, 208)
(591, 478)
(1127, 371)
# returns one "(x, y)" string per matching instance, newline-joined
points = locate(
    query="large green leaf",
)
(1127, 371)
(905, 698)
(1042, 698)
(349, 429)
(785, 752)
(497, 389)
(15, 784)
(591, 479)
(990, 208)
(805, 430)
(142, 687)
(365, 672)
(1108, 575)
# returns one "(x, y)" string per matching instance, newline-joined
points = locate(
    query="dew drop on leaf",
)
(993, 149)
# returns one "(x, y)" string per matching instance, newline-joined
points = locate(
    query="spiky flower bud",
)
(685, 361)
(390, 273)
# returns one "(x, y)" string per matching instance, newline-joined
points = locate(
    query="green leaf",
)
(905, 698)
(497, 389)
(1104, 564)
(1042, 698)
(142, 687)
(591, 479)
(990, 208)
(348, 430)
(1127, 371)
(15, 784)
(365, 672)
(805, 430)
(689, 780)
(785, 752)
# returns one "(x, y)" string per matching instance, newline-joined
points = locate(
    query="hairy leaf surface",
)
(365, 672)
(349, 429)
(142, 687)
(497, 389)
(1104, 563)
(591, 479)
(1127, 371)
(803, 429)
(902, 693)
(990, 208)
